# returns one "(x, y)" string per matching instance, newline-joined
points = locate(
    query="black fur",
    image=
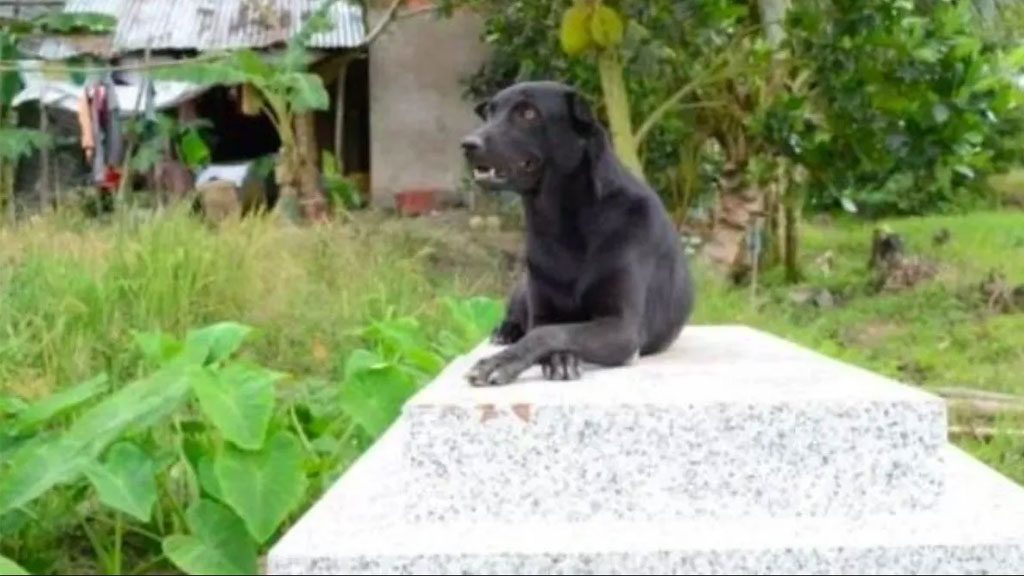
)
(607, 279)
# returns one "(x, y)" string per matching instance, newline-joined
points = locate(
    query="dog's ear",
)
(598, 152)
(480, 109)
(581, 113)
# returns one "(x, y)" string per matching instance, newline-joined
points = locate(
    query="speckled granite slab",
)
(360, 527)
(730, 422)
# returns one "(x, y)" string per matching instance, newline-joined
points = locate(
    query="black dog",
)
(607, 278)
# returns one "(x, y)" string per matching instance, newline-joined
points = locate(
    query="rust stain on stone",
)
(487, 412)
(522, 411)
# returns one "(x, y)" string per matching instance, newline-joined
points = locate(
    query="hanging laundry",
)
(85, 124)
(102, 140)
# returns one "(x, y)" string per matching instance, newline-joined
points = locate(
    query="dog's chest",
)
(557, 272)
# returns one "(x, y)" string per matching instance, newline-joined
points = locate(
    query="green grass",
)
(938, 334)
(73, 292)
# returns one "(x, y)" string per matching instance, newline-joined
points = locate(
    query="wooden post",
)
(126, 165)
(10, 171)
(5, 196)
(339, 115)
(44, 176)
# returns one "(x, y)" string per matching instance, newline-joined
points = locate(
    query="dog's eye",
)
(528, 113)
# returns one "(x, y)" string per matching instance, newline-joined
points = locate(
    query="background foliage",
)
(892, 106)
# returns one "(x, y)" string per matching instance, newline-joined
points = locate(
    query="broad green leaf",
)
(253, 64)
(38, 468)
(307, 92)
(76, 23)
(157, 347)
(9, 568)
(208, 477)
(219, 543)
(374, 391)
(606, 27)
(194, 150)
(140, 403)
(51, 407)
(239, 400)
(217, 342)
(126, 481)
(475, 317)
(10, 82)
(12, 405)
(18, 142)
(263, 487)
(221, 71)
(574, 33)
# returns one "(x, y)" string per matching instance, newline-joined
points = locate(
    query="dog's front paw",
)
(562, 366)
(507, 333)
(497, 370)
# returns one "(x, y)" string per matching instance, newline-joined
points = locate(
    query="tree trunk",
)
(792, 254)
(773, 17)
(741, 202)
(311, 197)
(616, 100)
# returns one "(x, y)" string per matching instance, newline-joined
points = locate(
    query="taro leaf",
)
(575, 30)
(208, 477)
(9, 568)
(157, 347)
(38, 467)
(126, 481)
(51, 407)
(35, 470)
(475, 317)
(140, 403)
(239, 400)
(263, 487)
(215, 343)
(374, 391)
(219, 543)
(606, 27)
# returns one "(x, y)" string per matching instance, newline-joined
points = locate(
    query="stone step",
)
(729, 422)
(360, 527)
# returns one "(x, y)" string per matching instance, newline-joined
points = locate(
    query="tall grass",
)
(72, 292)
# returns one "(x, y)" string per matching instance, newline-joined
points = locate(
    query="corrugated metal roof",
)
(29, 8)
(206, 25)
(64, 47)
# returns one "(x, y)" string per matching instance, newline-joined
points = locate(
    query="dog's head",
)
(530, 129)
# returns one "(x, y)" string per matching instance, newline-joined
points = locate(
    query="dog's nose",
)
(472, 143)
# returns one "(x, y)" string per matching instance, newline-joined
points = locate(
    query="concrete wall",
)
(417, 113)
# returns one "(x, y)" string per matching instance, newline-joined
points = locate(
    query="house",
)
(396, 113)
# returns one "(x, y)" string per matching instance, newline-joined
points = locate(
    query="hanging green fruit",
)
(606, 27)
(575, 31)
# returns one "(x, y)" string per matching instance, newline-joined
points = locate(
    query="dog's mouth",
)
(490, 175)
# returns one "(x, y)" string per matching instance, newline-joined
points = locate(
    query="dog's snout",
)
(472, 143)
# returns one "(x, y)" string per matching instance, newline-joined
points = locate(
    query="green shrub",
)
(206, 457)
